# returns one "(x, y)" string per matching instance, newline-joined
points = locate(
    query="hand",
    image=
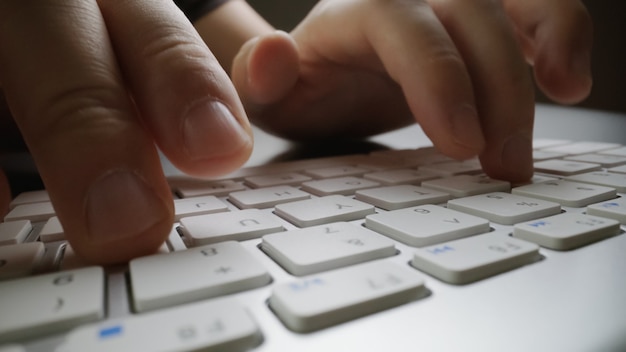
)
(458, 67)
(93, 86)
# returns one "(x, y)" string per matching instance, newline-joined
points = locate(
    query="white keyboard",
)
(390, 250)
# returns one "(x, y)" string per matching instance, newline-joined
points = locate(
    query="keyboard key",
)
(341, 295)
(20, 259)
(52, 231)
(336, 171)
(505, 208)
(475, 258)
(565, 167)
(618, 169)
(231, 226)
(566, 231)
(617, 151)
(32, 211)
(50, 303)
(325, 247)
(612, 209)
(164, 280)
(221, 325)
(401, 196)
(400, 176)
(266, 197)
(340, 185)
(468, 167)
(582, 148)
(197, 188)
(14, 232)
(567, 193)
(198, 206)
(603, 159)
(282, 179)
(467, 185)
(426, 225)
(602, 178)
(30, 197)
(318, 211)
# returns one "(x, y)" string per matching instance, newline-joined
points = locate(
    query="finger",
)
(183, 95)
(559, 37)
(5, 195)
(98, 164)
(501, 81)
(266, 69)
(417, 52)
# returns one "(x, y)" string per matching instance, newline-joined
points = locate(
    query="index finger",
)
(67, 95)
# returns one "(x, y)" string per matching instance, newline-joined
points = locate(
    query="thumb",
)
(266, 69)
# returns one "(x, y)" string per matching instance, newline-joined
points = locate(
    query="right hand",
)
(94, 86)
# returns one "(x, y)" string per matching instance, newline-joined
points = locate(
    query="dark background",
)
(608, 58)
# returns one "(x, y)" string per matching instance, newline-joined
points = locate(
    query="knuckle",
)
(83, 113)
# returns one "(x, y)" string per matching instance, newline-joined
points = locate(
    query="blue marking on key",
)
(109, 332)
(538, 223)
(610, 205)
(440, 250)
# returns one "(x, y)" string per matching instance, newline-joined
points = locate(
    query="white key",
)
(50, 303)
(221, 325)
(341, 295)
(164, 280)
(52, 231)
(175, 242)
(32, 211)
(71, 261)
(237, 225)
(30, 197)
(618, 169)
(467, 185)
(197, 188)
(565, 167)
(468, 167)
(20, 259)
(566, 231)
(617, 151)
(336, 171)
(198, 206)
(505, 208)
(582, 148)
(540, 155)
(266, 197)
(540, 143)
(400, 176)
(282, 179)
(340, 185)
(567, 193)
(325, 247)
(14, 232)
(401, 196)
(426, 225)
(612, 209)
(318, 211)
(474, 258)
(602, 159)
(602, 178)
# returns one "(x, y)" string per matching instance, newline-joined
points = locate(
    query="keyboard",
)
(394, 249)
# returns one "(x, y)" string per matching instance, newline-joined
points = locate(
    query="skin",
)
(97, 84)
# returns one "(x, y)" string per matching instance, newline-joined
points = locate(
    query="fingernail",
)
(210, 130)
(466, 129)
(121, 205)
(517, 155)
